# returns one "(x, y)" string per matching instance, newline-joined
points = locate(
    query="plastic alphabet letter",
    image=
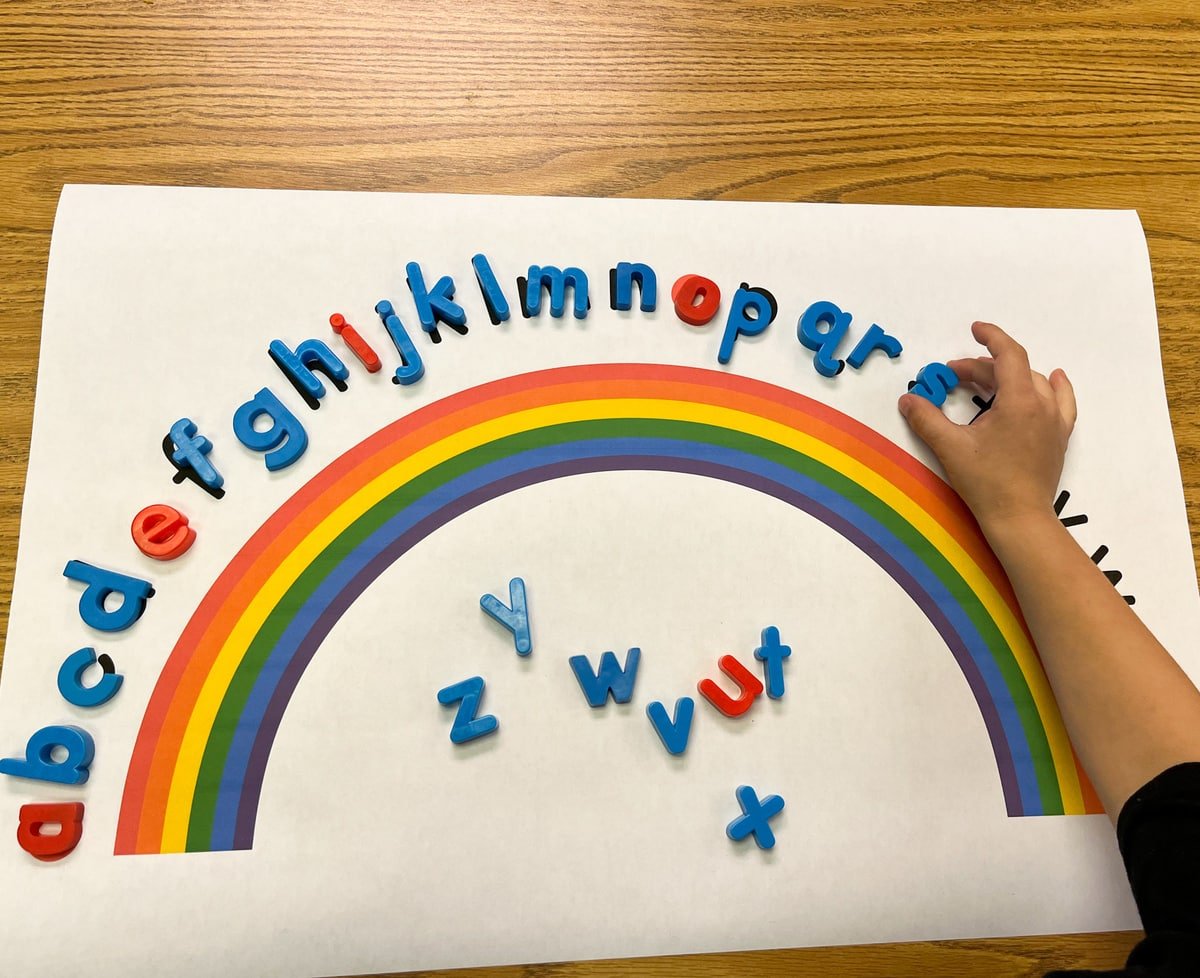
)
(873, 339)
(621, 281)
(824, 342)
(748, 685)
(755, 817)
(284, 442)
(674, 734)
(467, 726)
(100, 585)
(609, 678)
(934, 382)
(298, 368)
(515, 618)
(70, 680)
(358, 346)
(555, 281)
(411, 368)
(39, 764)
(489, 288)
(67, 815)
(772, 654)
(746, 300)
(162, 532)
(191, 452)
(696, 299)
(437, 304)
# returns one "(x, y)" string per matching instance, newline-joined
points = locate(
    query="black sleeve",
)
(1159, 835)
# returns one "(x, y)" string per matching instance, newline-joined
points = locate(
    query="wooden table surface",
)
(1063, 103)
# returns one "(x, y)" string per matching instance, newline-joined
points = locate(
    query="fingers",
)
(1012, 362)
(980, 372)
(929, 424)
(1064, 393)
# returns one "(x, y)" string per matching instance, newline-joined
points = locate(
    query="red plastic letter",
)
(696, 299)
(162, 532)
(358, 346)
(749, 685)
(67, 815)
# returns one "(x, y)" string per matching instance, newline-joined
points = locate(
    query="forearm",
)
(1130, 710)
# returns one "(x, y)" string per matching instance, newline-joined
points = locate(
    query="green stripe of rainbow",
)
(194, 778)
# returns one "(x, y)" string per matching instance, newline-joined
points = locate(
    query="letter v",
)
(673, 733)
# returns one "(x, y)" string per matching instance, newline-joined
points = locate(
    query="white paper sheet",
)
(570, 833)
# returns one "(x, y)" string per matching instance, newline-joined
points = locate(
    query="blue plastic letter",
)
(493, 295)
(284, 442)
(673, 733)
(516, 618)
(739, 323)
(100, 584)
(773, 654)
(411, 368)
(873, 339)
(39, 764)
(298, 368)
(191, 452)
(755, 818)
(934, 382)
(824, 342)
(609, 678)
(70, 680)
(556, 280)
(437, 304)
(621, 281)
(467, 726)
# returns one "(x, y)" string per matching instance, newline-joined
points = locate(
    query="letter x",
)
(755, 818)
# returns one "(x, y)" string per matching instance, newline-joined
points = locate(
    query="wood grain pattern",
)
(1061, 103)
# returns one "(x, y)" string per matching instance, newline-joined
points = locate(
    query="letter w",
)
(609, 678)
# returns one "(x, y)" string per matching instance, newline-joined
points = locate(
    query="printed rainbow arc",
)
(198, 763)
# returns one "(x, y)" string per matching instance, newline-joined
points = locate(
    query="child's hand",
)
(1006, 465)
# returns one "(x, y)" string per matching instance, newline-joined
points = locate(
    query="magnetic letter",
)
(191, 453)
(749, 688)
(934, 382)
(67, 815)
(39, 764)
(162, 532)
(824, 342)
(609, 678)
(873, 339)
(740, 322)
(411, 368)
(298, 368)
(70, 679)
(284, 442)
(755, 817)
(493, 295)
(673, 733)
(516, 618)
(353, 339)
(435, 305)
(555, 281)
(696, 299)
(621, 281)
(467, 726)
(772, 654)
(101, 583)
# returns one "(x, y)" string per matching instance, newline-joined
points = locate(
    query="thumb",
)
(928, 423)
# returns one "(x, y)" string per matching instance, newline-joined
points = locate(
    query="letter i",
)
(358, 346)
